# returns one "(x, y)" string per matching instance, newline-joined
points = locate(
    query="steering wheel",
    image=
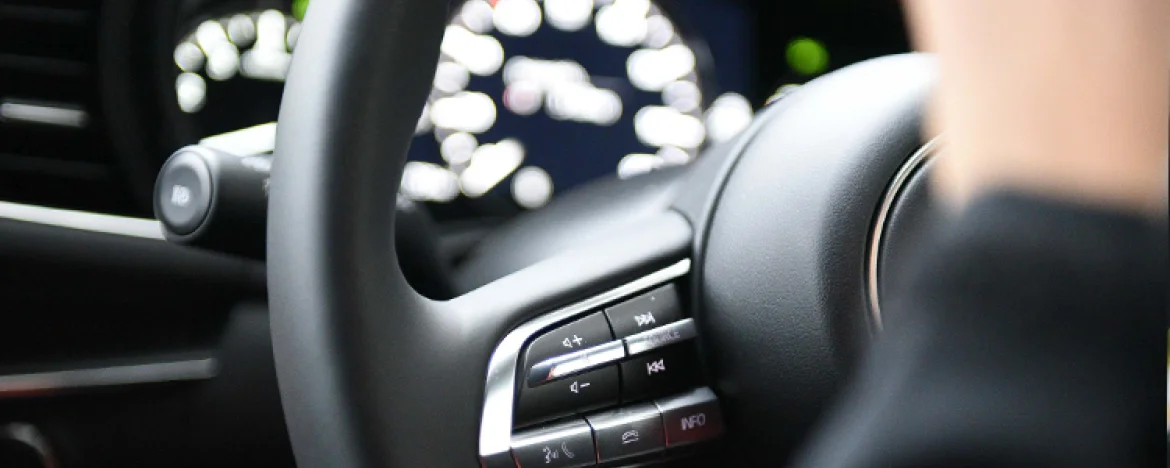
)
(774, 246)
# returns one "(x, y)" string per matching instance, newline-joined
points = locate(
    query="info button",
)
(691, 417)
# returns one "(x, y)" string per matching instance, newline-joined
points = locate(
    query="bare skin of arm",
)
(1064, 98)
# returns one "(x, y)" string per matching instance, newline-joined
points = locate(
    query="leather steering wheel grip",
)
(345, 123)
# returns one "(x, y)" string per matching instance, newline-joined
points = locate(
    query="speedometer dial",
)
(530, 98)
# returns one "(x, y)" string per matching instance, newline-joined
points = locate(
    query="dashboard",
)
(533, 100)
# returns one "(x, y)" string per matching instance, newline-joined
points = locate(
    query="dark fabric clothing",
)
(1030, 332)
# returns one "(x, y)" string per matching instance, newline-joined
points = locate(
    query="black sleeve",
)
(1030, 332)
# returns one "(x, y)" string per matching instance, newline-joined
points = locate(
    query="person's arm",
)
(1063, 98)
(1032, 330)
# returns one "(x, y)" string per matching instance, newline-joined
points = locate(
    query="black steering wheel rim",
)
(374, 374)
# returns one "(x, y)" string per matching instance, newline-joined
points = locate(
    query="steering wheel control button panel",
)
(661, 337)
(664, 371)
(691, 417)
(647, 311)
(576, 336)
(569, 364)
(580, 395)
(589, 391)
(564, 445)
(628, 432)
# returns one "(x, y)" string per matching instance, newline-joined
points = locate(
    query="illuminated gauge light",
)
(729, 115)
(582, 102)
(546, 73)
(457, 148)
(425, 181)
(684, 96)
(241, 30)
(568, 15)
(270, 31)
(191, 92)
(659, 32)
(441, 133)
(652, 70)
(294, 33)
(482, 55)
(476, 15)
(523, 97)
(532, 187)
(451, 77)
(189, 57)
(658, 126)
(265, 64)
(490, 164)
(672, 156)
(623, 22)
(518, 18)
(471, 112)
(210, 35)
(636, 164)
(223, 62)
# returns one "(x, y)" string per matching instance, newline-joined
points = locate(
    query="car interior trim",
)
(575, 363)
(495, 430)
(82, 220)
(875, 243)
(30, 384)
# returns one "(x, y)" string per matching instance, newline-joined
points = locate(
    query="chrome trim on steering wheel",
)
(495, 429)
(894, 190)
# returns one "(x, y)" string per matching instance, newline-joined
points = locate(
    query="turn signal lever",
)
(218, 201)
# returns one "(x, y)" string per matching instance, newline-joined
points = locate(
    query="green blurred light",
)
(807, 56)
(298, 9)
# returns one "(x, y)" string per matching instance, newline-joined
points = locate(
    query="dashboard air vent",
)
(53, 145)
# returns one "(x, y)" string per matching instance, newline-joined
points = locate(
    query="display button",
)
(628, 432)
(564, 445)
(583, 333)
(589, 391)
(660, 372)
(650, 310)
(691, 417)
